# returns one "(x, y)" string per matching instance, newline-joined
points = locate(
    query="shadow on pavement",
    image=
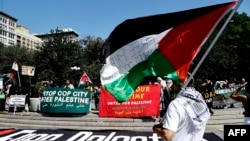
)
(212, 137)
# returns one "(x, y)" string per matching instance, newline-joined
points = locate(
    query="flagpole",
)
(19, 80)
(213, 42)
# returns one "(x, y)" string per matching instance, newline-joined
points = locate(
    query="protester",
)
(43, 85)
(97, 96)
(163, 99)
(186, 116)
(243, 81)
(51, 83)
(208, 92)
(244, 99)
(168, 93)
(11, 86)
(68, 85)
(89, 87)
(232, 86)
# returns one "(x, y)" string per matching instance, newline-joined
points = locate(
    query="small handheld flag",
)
(15, 66)
(83, 80)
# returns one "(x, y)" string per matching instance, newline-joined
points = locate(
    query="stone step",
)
(74, 122)
(225, 121)
(85, 118)
(91, 121)
(35, 126)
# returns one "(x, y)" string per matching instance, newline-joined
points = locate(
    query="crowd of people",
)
(10, 87)
(206, 87)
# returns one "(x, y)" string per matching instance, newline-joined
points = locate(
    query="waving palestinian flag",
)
(8, 75)
(83, 80)
(158, 45)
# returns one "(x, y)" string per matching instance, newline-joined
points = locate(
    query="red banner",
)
(144, 102)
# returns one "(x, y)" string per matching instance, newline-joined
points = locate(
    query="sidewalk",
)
(92, 122)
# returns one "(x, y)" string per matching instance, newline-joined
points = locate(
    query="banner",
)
(222, 97)
(208, 96)
(1, 83)
(145, 101)
(74, 135)
(28, 70)
(81, 135)
(61, 100)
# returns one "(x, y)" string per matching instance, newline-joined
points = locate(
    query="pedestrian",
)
(186, 116)
(244, 99)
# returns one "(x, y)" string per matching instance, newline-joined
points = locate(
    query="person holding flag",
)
(244, 99)
(186, 116)
(11, 85)
(156, 45)
(164, 45)
(16, 69)
(85, 83)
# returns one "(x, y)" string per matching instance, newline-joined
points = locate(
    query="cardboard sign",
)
(28, 70)
(17, 100)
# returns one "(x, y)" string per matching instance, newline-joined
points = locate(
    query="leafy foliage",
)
(230, 55)
(56, 57)
(91, 51)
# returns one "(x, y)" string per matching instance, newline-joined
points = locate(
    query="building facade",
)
(7, 29)
(25, 39)
(13, 34)
(68, 34)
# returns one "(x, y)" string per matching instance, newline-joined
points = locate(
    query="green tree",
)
(229, 54)
(22, 55)
(92, 49)
(56, 57)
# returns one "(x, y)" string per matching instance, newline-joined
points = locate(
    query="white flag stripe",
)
(15, 66)
(125, 58)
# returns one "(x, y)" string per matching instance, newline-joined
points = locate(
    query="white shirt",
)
(70, 86)
(187, 116)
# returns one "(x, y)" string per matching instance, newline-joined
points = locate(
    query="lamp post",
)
(75, 68)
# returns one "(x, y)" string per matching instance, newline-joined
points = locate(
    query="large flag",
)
(83, 80)
(159, 45)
